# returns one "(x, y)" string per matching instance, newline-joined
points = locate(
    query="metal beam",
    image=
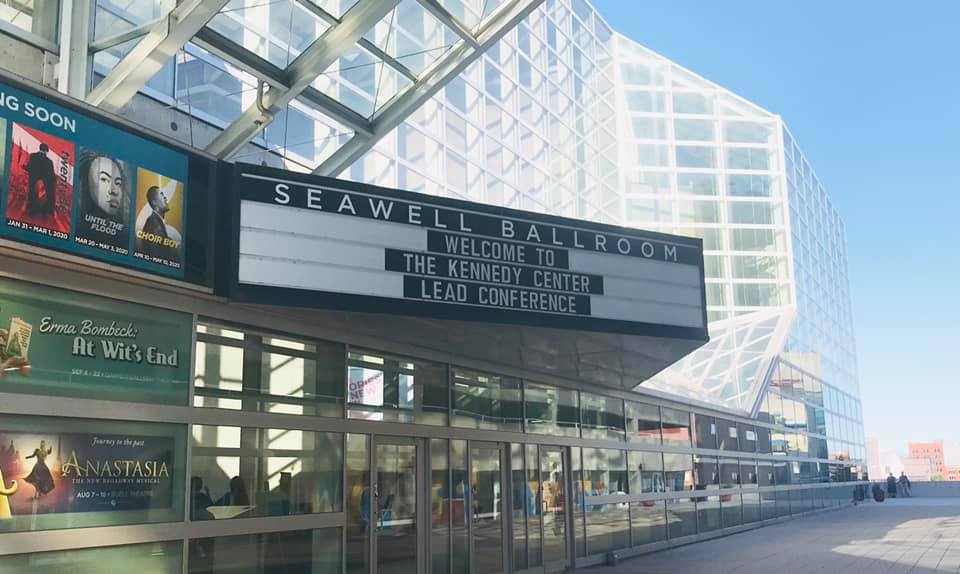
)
(234, 54)
(74, 68)
(125, 36)
(153, 52)
(312, 62)
(435, 77)
(449, 20)
(364, 43)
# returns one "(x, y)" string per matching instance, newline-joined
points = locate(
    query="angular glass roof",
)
(355, 69)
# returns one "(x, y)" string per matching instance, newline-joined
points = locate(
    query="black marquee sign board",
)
(310, 241)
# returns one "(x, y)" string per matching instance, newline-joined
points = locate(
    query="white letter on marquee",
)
(282, 197)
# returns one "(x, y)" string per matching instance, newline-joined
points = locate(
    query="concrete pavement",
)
(916, 535)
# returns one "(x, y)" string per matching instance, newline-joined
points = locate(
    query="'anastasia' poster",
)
(40, 197)
(82, 472)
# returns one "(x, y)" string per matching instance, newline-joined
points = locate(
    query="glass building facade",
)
(293, 448)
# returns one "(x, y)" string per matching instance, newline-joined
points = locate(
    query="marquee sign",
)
(320, 242)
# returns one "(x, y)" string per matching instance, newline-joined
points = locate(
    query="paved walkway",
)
(917, 535)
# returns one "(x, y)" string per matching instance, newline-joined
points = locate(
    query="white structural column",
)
(312, 62)
(441, 72)
(74, 55)
(153, 52)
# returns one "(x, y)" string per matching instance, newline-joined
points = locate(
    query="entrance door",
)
(554, 500)
(396, 546)
(487, 526)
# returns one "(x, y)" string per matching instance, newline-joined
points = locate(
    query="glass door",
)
(396, 504)
(554, 504)
(487, 525)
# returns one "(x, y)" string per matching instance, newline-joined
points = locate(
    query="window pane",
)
(649, 521)
(240, 472)
(690, 129)
(744, 185)
(698, 212)
(755, 213)
(696, 156)
(396, 389)
(486, 401)
(291, 551)
(705, 428)
(551, 410)
(601, 417)
(358, 503)
(692, 103)
(649, 128)
(73, 473)
(676, 427)
(646, 472)
(727, 434)
(156, 557)
(605, 473)
(697, 183)
(747, 132)
(678, 472)
(708, 513)
(643, 423)
(681, 517)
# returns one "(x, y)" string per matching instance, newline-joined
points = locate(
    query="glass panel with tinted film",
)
(748, 437)
(643, 423)
(159, 557)
(551, 410)
(396, 389)
(395, 504)
(73, 473)
(521, 499)
(601, 417)
(486, 489)
(485, 401)
(553, 505)
(676, 427)
(290, 551)
(242, 472)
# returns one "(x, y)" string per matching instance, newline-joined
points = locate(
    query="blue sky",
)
(872, 93)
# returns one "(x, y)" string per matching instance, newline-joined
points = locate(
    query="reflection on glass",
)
(441, 506)
(681, 517)
(154, 557)
(534, 505)
(676, 427)
(521, 499)
(705, 431)
(751, 507)
(601, 417)
(553, 505)
(486, 492)
(246, 371)
(459, 479)
(395, 501)
(240, 472)
(358, 503)
(708, 513)
(396, 389)
(551, 410)
(646, 472)
(730, 505)
(649, 521)
(678, 472)
(486, 401)
(605, 474)
(643, 423)
(290, 551)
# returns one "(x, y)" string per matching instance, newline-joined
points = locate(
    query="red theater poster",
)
(40, 196)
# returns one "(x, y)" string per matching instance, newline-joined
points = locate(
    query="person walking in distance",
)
(904, 484)
(891, 486)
